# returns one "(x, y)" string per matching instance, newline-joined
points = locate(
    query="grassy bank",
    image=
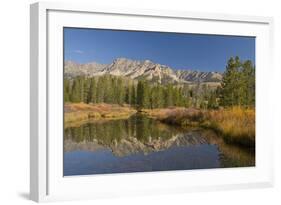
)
(236, 125)
(77, 112)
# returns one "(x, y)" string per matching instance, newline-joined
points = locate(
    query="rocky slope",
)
(140, 70)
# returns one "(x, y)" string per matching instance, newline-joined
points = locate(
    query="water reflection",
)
(143, 144)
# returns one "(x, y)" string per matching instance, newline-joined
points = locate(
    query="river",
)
(140, 144)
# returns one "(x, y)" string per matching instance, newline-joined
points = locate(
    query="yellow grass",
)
(74, 112)
(235, 124)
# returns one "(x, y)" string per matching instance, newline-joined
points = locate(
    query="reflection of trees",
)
(143, 131)
(143, 135)
(143, 128)
(103, 132)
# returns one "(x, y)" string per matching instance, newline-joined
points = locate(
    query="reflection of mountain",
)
(141, 70)
(142, 135)
(131, 145)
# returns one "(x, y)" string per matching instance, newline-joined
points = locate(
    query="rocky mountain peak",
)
(140, 70)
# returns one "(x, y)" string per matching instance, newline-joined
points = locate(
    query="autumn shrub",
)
(184, 117)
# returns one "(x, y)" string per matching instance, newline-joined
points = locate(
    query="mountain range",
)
(146, 70)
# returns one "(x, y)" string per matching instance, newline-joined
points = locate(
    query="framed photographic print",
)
(127, 102)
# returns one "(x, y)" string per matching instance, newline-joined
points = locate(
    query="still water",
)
(141, 144)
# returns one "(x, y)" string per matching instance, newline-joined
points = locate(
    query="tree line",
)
(120, 90)
(237, 88)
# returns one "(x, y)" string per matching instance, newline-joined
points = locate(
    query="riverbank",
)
(78, 112)
(235, 125)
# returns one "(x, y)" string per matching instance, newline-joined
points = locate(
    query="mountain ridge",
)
(136, 70)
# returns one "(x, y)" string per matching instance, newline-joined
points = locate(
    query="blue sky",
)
(179, 51)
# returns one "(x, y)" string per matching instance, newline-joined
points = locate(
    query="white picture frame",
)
(46, 179)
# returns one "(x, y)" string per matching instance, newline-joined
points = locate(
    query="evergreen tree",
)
(100, 90)
(229, 88)
(120, 91)
(133, 95)
(75, 96)
(128, 95)
(108, 90)
(115, 90)
(92, 91)
(140, 94)
(176, 97)
(143, 99)
(86, 88)
(66, 90)
(159, 96)
(154, 101)
(248, 78)
(169, 95)
(146, 94)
